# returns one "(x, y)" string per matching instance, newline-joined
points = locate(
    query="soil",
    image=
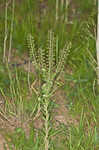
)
(62, 114)
(2, 142)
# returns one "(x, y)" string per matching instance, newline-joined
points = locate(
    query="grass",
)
(80, 87)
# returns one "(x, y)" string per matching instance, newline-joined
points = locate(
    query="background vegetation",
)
(76, 24)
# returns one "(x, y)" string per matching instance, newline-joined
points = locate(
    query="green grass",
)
(80, 88)
(20, 141)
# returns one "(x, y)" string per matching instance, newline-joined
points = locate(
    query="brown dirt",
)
(61, 114)
(2, 142)
(7, 127)
(3, 129)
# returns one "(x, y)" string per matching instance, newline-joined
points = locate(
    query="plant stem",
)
(97, 45)
(56, 10)
(5, 38)
(12, 21)
(46, 124)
